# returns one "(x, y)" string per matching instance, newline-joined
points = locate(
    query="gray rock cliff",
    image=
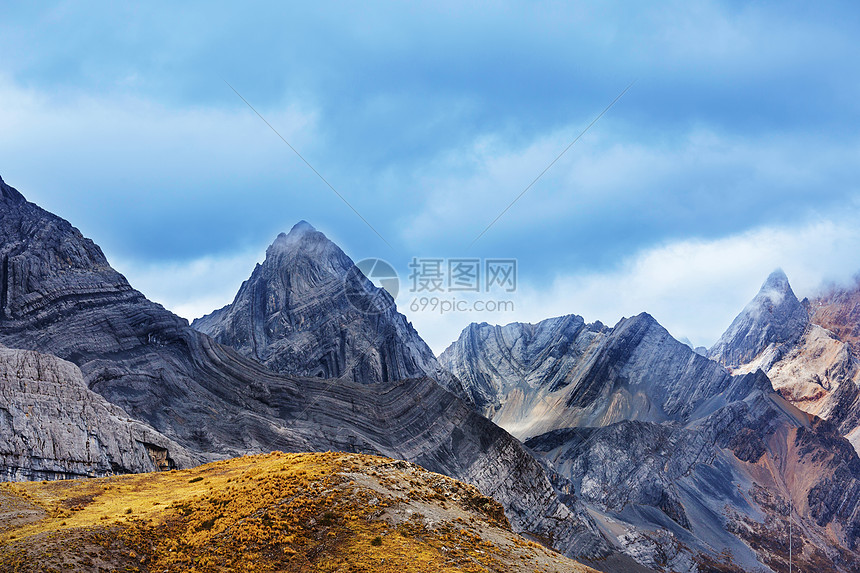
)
(60, 296)
(52, 426)
(308, 311)
(679, 462)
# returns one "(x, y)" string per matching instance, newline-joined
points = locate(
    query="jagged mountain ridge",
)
(569, 374)
(676, 458)
(554, 342)
(809, 364)
(60, 296)
(305, 311)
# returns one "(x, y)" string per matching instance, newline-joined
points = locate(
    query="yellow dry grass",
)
(266, 513)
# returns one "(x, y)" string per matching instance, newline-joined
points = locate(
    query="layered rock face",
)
(308, 311)
(672, 493)
(808, 350)
(53, 427)
(563, 373)
(501, 366)
(60, 296)
(681, 463)
(770, 322)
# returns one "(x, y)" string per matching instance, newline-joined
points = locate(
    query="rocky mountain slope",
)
(684, 465)
(504, 366)
(838, 310)
(276, 512)
(564, 373)
(60, 296)
(307, 311)
(773, 320)
(807, 348)
(52, 426)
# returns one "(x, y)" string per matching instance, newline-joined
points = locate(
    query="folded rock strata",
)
(60, 296)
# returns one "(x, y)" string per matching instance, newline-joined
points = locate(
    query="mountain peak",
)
(302, 237)
(308, 310)
(301, 228)
(773, 317)
(776, 285)
(774, 292)
(778, 276)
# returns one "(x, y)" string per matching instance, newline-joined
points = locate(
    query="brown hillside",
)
(278, 512)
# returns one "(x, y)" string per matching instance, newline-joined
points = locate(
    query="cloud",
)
(191, 288)
(152, 180)
(620, 190)
(430, 119)
(692, 287)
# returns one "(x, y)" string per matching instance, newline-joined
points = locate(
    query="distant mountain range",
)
(61, 297)
(618, 446)
(672, 454)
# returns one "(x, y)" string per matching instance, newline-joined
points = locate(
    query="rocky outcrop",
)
(838, 310)
(664, 445)
(308, 311)
(53, 427)
(60, 296)
(813, 362)
(773, 320)
(563, 373)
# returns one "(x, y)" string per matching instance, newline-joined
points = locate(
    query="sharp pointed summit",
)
(300, 230)
(308, 255)
(59, 296)
(773, 317)
(8, 193)
(304, 311)
(776, 286)
(302, 227)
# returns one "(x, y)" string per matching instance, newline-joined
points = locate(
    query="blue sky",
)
(736, 151)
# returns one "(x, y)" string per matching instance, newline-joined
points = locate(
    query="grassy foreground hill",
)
(326, 512)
